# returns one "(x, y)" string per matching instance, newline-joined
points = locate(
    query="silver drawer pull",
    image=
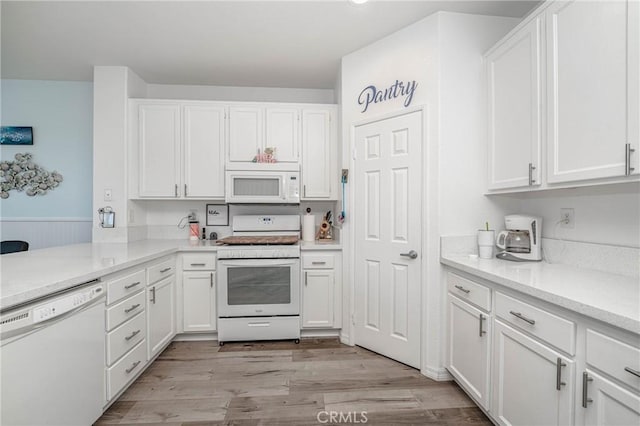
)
(632, 371)
(459, 287)
(559, 365)
(132, 308)
(318, 263)
(132, 285)
(522, 317)
(197, 264)
(133, 367)
(162, 271)
(132, 335)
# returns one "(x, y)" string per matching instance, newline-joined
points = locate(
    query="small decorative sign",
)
(10, 135)
(217, 215)
(372, 95)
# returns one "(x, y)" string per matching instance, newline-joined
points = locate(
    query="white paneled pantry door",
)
(388, 236)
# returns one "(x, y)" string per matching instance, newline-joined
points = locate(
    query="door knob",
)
(411, 255)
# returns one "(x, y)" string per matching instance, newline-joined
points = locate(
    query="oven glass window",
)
(264, 285)
(253, 187)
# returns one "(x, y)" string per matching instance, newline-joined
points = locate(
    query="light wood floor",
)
(280, 383)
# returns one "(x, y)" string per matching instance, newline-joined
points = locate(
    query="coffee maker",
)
(521, 240)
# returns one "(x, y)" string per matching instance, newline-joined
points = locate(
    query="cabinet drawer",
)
(551, 328)
(470, 291)
(195, 262)
(126, 369)
(160, 270)
(318, 261)
(614, 357)
(122, 311)
(125, 337)
(124, 286)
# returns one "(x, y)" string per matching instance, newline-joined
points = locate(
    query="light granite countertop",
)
(30, 275)
(611, 298)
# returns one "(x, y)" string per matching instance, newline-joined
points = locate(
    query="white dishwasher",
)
(52, 354)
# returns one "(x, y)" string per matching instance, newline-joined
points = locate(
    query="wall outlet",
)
(108, 196)
(567, 218)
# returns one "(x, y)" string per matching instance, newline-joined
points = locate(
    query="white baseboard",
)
(320, 333)
(438, 374)
(195, 337)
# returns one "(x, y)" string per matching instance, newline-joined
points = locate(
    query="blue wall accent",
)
(61, 114)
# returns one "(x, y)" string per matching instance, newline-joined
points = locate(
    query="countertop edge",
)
(605, 316)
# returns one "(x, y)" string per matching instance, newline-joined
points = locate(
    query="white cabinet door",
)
(592, 88)
(318, 155)
(160, 315)
(609, 404)
(159, 150)
(204, 142)
(246, 133)
(282, 133)
(199, 301)
(318, 298)
(468, 351)
(515, 94)
(526, 375)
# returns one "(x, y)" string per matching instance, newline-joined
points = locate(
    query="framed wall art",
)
(11, 135)
(217, 215)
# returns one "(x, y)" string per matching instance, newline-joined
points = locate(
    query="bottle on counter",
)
(204, 233)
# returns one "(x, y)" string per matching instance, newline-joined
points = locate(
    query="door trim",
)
(428, 153)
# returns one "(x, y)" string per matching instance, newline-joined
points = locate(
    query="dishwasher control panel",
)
(65, 304)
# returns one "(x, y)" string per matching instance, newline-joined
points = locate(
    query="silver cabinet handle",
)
(185, 189)
(304, 190)
(585, 392)
(305, 278)
(480, 331)
(153, 295)
(627, 159)
(459, 287)
(197, 264)
(132, 308)
(132, 335)
(211, 280)
(132, 285)
(522, 317)
(176, 189)
(559, 365)
(412, 254)
(133, 367)
(632, 371)
(531, 169)
(318, 263)
(162, 271)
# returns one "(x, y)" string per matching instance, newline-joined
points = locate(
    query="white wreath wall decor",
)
(24, 175)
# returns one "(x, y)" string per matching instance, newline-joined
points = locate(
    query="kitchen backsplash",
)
(601, 257)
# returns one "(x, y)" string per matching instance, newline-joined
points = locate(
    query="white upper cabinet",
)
(592, 96)
(180, 149)
(204, 151)
(319, 154)
(159, 143)
(282, 133)
(246, 133)
(514, 95)
(254, 128)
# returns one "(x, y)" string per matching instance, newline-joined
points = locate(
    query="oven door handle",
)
(259, 262)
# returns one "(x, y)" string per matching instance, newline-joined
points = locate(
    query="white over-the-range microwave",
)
(263, 184)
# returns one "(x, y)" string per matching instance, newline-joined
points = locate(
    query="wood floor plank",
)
(196, 384)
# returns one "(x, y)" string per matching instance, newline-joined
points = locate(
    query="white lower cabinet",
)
(469, 348)
(532, 384)
(199, 301)
(160, 315)
(321, 289)
(607, 403)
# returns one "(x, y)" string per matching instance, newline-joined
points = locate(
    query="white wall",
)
(60, 113)
(243, 94)
(443, 53)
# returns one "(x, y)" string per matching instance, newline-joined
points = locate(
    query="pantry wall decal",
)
(373, 95)
(12, 135)
(22, 174)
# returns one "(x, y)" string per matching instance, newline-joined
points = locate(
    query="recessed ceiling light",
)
(358, 1)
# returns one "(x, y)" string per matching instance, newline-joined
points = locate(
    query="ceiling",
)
(265, 43)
